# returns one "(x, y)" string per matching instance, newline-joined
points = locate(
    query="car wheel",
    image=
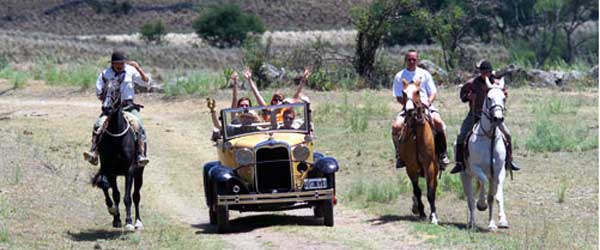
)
(212, 214)
(222, 218)
(318, 211)
(327, 206)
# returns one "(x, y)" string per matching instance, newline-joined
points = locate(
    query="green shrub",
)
(226, 25)
(153, 31)
(552, 136)
(3, 61)
(195, 83)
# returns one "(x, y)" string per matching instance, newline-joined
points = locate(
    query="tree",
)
(575, 14)
(371, 23)
(448, 26)
(226, 26)
(153, 31)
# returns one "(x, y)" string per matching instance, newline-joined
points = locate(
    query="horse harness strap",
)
(119, 134)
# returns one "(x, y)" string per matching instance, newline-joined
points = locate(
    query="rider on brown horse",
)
(126, 73)
(428, 93)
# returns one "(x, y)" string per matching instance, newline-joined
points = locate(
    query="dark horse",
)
(117, 150)
(418, 150)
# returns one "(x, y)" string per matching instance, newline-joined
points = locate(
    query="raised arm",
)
(210, 103)
(234, 79)
(305, 76)
(259, 98)
(139, 69)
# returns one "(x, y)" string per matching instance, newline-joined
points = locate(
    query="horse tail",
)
(99, 180)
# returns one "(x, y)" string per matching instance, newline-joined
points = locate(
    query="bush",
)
(226, 26)
(153, 32)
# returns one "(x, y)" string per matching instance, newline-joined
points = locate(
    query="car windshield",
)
(276, 118)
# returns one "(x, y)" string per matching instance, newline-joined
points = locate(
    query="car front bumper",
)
(303, 196)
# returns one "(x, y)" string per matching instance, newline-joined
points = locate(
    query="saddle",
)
(469, 134)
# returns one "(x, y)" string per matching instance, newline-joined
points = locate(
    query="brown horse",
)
(417, 149)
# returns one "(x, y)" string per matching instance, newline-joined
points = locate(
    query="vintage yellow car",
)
(266, 162)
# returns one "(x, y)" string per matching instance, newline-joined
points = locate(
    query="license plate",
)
(315, 183)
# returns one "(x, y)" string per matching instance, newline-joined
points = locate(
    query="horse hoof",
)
(492, 228)
(139, 225)
(434, 221)
(481, 207)
(129, 227)
(503, 224)
(117, 224)
(112, 211)
(415, 210)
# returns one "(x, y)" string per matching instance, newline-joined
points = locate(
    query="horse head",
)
(413, 108)
(493, 105)
(112, 98)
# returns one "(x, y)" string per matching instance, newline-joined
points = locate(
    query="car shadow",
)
(384, 219)
(249, 223)
(97, 234)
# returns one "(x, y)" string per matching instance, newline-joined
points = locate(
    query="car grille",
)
(273, 170)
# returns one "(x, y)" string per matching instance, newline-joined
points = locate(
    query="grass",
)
(82, 75)
(562, 190)
(16, 78)
(194, 83)
(5, 237)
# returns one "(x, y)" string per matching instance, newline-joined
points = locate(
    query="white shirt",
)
(427, 85)
(129, 76)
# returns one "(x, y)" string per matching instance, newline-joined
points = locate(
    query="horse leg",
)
(490, 199)
(127, 200)
(137, 186)
(467, 182)
(481, 180)
(502, 221)
(431, 189)
(114, 210)
(418, 207)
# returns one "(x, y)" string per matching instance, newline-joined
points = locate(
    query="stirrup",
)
(91, 157)
(142, 161)
(400, 163)
(514, 166)
(457, 168)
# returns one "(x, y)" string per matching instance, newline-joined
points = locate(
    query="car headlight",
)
(243, 156)
(301, 152)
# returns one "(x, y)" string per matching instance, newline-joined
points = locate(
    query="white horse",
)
(487, 157)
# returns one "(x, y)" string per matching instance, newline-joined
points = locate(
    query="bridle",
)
(113, 95)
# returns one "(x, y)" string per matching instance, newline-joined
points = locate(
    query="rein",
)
(119, 134)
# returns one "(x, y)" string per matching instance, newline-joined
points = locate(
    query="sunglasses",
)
(244, 105)
(411, 60)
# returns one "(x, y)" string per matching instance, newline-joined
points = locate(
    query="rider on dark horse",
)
(474, 92)
(126, 73)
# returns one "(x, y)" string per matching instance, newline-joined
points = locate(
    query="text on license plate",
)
(315, 183)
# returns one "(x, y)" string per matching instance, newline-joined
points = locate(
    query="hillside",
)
(76, 17)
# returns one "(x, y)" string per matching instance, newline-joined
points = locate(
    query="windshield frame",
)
(226, 120)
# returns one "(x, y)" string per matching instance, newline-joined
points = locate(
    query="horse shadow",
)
(97, 234)
(385, 219)
(249, 223)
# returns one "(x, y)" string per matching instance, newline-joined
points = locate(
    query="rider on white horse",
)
(126, 73)
(475, 91)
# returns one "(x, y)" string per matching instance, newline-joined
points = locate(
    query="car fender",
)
(223, 179)
(327, 165)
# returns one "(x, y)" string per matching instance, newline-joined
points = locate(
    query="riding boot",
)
(142, 160)
(92, 155)
(441, 149)
(399, 162)
(509, 160)
(459, 158)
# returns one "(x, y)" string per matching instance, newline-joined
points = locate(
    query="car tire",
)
(222, 219)
(318, 211)
(212, 214)
(327, 207)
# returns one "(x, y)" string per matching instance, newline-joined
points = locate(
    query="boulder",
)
(270, 73)
(512, 73)
(540, 78)
(439, 74)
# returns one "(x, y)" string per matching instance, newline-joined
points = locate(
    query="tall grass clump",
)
(562, 190)
(4, 234)
(378, 189)
(195, 83)
(16, 78)
(81, 75)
